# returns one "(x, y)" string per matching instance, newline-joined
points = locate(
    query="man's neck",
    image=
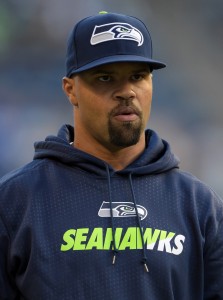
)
(119, 159)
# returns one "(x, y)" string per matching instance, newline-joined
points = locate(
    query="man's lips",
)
(125, 114)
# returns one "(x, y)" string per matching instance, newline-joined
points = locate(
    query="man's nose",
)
(124, 92)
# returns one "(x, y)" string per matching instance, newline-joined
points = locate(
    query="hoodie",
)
(71, 227)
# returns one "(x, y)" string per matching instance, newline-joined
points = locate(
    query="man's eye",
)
(104, 78)
(137, 77)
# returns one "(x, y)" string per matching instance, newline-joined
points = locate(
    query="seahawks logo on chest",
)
(121, 210)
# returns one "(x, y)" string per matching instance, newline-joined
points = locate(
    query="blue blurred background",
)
(187, 103)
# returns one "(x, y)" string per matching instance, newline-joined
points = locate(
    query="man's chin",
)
(125, 136)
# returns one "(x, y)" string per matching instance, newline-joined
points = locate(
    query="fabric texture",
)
(60, 215)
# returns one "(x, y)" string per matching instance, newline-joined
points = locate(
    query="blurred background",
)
(187, 103)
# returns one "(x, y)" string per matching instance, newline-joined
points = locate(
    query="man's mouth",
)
(126, 114)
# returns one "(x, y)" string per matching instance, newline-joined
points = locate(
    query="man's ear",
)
(68, 85)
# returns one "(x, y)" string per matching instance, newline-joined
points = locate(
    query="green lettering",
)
(139, 239)
(96, 239)
(79, 238)
(109, 238)
(129, 239)
(68, 238)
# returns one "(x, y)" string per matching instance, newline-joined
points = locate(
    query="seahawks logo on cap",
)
(116, 31)
(121, 210)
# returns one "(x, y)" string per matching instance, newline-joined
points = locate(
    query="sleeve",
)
(7, 288)
(213, 266)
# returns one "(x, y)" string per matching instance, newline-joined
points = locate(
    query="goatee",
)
(125, 134)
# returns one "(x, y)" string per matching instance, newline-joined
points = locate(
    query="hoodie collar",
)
(156, 158)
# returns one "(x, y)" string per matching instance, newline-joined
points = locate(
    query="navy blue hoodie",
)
(65, 216)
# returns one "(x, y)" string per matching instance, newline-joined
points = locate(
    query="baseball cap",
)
(108, 38)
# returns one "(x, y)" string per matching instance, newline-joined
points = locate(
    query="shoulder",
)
(204, 206)
(21, 189)
(23, 173)
(203, 199)
(195, 193)
(191, 182)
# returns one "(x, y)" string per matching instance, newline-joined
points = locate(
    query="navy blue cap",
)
(109, 38)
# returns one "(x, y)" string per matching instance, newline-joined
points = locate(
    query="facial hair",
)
(125, 134)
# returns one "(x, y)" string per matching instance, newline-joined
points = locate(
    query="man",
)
(103, 211)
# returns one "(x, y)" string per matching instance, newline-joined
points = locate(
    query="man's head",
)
(109, 38)
(108, 81)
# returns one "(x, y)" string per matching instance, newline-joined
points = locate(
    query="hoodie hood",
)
(156, 158)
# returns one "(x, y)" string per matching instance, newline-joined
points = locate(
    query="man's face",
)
(112, 104)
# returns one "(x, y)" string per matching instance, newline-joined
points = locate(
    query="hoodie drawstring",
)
(144, 259)
(115, 250)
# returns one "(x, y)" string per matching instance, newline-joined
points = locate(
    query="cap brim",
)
(154, 64)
